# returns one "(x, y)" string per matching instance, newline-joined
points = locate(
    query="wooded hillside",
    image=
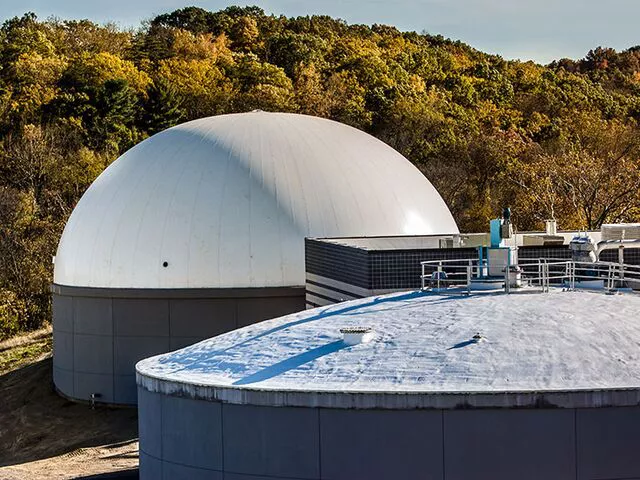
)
(550, 141)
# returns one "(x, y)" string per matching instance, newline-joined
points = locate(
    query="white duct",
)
(616, 244)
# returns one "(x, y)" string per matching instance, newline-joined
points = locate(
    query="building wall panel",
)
(124, 390)
(85, 384)
(150, 467)
(92, 316)
(101, 333)
(381, 444)
(197, 437)
(172, 471)
(63, 313)
(527, 444)
(202, 317)
(192, 432)
(130, 350)
(141, 317)
(278, 442)
(93, 354)
(63, 345)
(608, 443)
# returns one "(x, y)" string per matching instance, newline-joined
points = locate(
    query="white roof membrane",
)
(423, 343)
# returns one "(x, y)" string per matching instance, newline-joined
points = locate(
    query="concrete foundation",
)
(99, 334)
(183, 438)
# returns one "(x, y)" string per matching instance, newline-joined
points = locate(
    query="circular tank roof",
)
(226, 202)
(566, 349)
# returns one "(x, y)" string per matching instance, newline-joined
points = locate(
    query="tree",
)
(259, 85)
(111, 121)
(201, 84)
(43, 171)
(292, 51)
(163, 107)
(194, 19)
(588, 177)
(89, 71)
(551, 141)
(244, 34)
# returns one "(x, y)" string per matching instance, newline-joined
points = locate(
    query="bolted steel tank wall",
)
(99, 334)
(186, 438)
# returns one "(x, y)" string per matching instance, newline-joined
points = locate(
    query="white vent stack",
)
(356, 335)
(550, 227)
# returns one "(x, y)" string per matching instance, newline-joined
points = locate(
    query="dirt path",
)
(44, 436)
(92, 462)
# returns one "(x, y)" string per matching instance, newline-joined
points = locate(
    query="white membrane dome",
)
(226, 201)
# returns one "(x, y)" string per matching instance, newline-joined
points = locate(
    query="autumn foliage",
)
(557, 141)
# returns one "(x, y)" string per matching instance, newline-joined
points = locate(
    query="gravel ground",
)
(44, 436)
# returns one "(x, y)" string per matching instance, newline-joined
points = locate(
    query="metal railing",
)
(571, 274)
(458, 274)
(443, 274)
(546, 272)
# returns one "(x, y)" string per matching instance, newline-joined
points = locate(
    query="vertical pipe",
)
(506, 279)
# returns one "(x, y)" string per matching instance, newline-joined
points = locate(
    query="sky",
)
(540, 30)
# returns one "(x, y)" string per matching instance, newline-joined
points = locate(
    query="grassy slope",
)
(36, 423)
(24, 349)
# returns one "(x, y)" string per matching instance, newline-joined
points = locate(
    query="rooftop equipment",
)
(502, 254)
(620, 231)
(617, 236)
(506, 229)
(583, 248)
(356, 335)
(550, 227)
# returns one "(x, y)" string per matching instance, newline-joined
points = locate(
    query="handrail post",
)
(572, 279)
(539, 272)
(548, 277)
(545, 276)
(469, 267)
(506, 279)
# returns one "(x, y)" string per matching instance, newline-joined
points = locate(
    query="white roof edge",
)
(392, 400)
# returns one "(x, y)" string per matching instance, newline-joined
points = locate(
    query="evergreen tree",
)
(163, 107)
